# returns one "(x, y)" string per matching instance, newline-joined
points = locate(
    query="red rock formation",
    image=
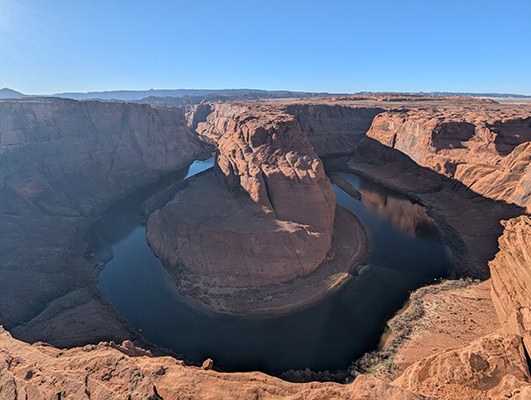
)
(267, 216)
(333, 129)
(113, 148)
(511, 278)
(488, 152)
(103, 371)
(474, 372)
(65, 157)
(62, 162)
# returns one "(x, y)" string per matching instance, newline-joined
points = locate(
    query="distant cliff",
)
(487, 151)
(63, 157)
(7, 93)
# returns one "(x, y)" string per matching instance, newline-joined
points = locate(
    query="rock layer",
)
(477, 371)
(66, 158)
(334, 129)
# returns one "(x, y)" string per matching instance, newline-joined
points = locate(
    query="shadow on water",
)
(126, 214)
(405, 253)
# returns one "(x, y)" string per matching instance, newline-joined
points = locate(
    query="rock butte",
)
(467, 160)
(264, 217)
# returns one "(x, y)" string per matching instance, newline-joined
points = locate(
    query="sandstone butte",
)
(263, 217)
(467, 160)
(271, 197)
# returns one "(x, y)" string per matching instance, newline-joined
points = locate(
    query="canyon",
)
(261, 231)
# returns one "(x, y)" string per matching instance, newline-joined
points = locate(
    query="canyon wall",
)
(67, 158)
(488, 152)
(61, 163)
(511, 278)
(481, 144)
(457, 155)
(265, 216)
(269, 219)
(334, 129)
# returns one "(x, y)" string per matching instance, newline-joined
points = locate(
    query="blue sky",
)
(49, 46)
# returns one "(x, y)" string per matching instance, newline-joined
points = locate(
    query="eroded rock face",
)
(487, 151)
(333, 129)
(64, 157)
(264, 217)
(490, 368)
(511, 278)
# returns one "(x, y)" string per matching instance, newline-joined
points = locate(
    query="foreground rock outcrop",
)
(481, 370)
(493, 368)
(446, 315)
(107, 371)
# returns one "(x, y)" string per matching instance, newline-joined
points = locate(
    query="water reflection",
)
(408, 217)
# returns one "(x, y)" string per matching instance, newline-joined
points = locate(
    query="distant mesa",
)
(180, 97)
(7, 93)
(136, 95)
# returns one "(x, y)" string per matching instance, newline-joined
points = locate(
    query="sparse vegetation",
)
(407, 322)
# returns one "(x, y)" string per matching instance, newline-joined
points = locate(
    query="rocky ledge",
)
(109, 371)
(493, 367)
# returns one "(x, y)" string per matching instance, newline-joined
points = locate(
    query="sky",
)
(50, 46)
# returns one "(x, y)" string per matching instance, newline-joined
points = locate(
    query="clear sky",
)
(49, 46)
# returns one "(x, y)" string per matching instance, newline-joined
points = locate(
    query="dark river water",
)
(405, 253)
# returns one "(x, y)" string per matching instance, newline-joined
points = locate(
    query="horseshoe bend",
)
(231, 230)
